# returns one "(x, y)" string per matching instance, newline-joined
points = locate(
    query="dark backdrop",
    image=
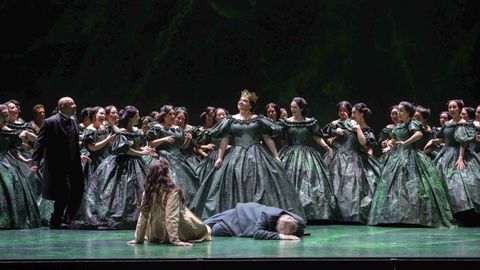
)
(198, 53)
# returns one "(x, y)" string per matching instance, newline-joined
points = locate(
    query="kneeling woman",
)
(164, 216)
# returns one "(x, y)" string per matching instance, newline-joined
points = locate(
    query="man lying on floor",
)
(257, 221)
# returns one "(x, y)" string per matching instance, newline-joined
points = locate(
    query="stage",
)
(328, 247)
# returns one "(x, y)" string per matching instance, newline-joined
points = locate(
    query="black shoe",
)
(61, 226)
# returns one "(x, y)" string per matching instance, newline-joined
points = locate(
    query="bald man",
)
(57, 143)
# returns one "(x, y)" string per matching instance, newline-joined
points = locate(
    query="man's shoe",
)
(61, 226)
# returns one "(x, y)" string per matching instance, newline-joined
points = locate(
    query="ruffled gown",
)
(249, 172)
(189, 153)
(183, 175)
(463, 185)
(385, 134)
(306, 170)
(410, 190)
(18, 205)
(34, 179)
(114, 193)
(354, 174)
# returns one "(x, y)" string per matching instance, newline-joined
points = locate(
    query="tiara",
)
(250, 95)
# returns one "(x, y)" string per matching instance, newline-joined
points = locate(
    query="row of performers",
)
(347, 184)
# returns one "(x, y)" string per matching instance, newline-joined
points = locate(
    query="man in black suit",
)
(57, 143)
(257, 221)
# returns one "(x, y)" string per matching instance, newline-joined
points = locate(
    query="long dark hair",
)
(158, 180)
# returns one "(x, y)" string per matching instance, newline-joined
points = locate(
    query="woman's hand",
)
(460, 164)
(218, 163)
(134, 242)
(169, 139)
(182, 244)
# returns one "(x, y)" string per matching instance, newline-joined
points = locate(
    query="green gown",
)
(18, 206)
(354, 174)
(249, 172)
(385, 134)
(306, 170)
(410, 190)
(463, 185)
(183, 175)
(114, 193)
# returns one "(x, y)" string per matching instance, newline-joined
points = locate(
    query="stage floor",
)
(327, 241)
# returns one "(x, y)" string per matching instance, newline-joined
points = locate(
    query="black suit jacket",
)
(254, 220)
(54, 147)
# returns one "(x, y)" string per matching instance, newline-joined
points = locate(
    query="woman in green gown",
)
(250, 172)
(18, 206)
(168, 140)
(114, 193)
(353, 169)
(386, 134)
(304, 164)
(410, 190)
(459, 166)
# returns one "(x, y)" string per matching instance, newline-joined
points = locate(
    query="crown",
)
(250, 95)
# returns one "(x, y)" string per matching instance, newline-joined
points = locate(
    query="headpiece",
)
(250, 95)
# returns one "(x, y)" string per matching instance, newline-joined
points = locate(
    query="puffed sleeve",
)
(122, 144)
(368, 133)
(315, 129)
(330, 129)
(464, 132)
(222, 128)
(16, 142)
(154, 132)
(172, 216)
(385, 134)
(88, 136)
(415, 126)
(269, 127)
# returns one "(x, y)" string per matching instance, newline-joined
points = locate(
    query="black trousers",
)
(66, 207)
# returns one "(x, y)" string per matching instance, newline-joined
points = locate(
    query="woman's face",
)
(271, 113)
(343, 113)
(145, 123)
(295, 109)
(464, 115)
(100, 116)
(356, 115)
(418, 116)
(180, 120)
(220, 115)
(112, 116)
(209, 117)
(244, 104)
(135, 119)
(12, 111)
(404, 115)
(394, 115)
(453, 109)
(443, 118)
(170, 117)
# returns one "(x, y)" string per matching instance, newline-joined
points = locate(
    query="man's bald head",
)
(67, 106)
(63, 101)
